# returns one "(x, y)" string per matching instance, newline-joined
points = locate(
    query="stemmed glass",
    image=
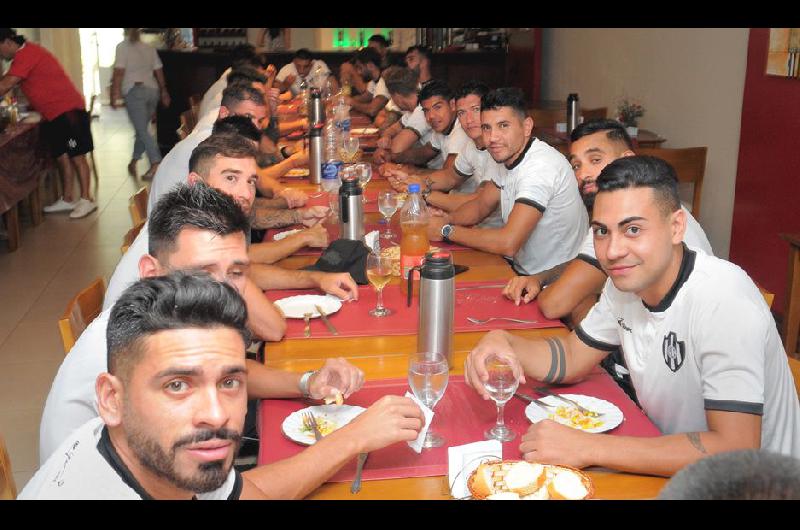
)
(379, 272)
(427, 376)
(387, 205)
(364, 174)
(349, 149)
(501, 386)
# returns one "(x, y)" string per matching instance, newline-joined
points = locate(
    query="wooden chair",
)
(8, 489)
(768, 296)
(188, 121)
(127, 241)
(794, 366)
(689, 164)
(80, 311)
(138, 206)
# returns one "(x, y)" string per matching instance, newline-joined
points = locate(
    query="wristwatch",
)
(446, 231)
(304, 383)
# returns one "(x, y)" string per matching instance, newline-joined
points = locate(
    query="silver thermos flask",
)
(315, 159)
(317, 111)
(351, 211)
(573, 112)
(436, 304)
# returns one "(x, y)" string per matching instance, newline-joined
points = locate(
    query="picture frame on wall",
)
(783, 58)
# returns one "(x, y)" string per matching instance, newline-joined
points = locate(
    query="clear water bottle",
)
(342, 120)
(332, 165)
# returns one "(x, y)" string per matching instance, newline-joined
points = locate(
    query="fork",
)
(307, 330)
(484, 321)
(310, 422)
(539, 402)
(585, 411)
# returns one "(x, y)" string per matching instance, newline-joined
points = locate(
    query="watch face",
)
(446, 229)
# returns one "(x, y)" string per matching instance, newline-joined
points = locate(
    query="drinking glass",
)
(501, 386)
(349, 149)
(387, 205)
(379, 272)
(427, 376)
(364, 174)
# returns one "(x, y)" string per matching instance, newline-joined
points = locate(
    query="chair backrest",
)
(188, 121)
(127, 241)
(794, 366)
(194, 103)
(138, 206)
(768, 296)
(80, 312)
(689, 164)
(8, 489)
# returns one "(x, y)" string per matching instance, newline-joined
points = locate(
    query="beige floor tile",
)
(19, 427)
(32, 341)
(26, 385)
(21, 478)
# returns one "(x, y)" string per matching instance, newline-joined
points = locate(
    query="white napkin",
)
(462, 460)
(416, 445)
(372, 240)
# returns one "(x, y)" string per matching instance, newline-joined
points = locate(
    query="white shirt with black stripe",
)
(476, 166)
(86, 467)
(451, 141)
(543, 179)
(710, 344)
(415, 121)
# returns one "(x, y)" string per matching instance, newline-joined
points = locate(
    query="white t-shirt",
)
(139, 60)
(477, 166)
(291, 69)
(542, 178)
(379, 89)
(86, 466)
(415, 121)
(695, 237)
(450, 142)
(711, 344)
(212, 99)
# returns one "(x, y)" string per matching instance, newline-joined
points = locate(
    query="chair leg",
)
(12, 227)
(35, 201)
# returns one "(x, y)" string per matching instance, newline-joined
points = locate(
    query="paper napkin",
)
(372, 240)
(416, 445)
(462, 460)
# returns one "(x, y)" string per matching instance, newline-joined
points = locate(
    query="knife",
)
(529, 399)
(494, 286)
(356, 487)
(326, 321)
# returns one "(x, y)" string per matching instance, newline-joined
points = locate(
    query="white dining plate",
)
(364, 131)
(297, 306)
(284, 235)
(611, 418)
(330, 416)
(298, 172)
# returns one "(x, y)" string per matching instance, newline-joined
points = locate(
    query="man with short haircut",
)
(418, 58)
(192, 227)
(367, 64)
(701, 345)
(172, 404)
(545, 220)
(302, 68)
(380, 44)
(241, 56)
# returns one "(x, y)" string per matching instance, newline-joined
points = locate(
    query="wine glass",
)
(387, 205)
(379, 272)
(427, 376)
(364, 174)
(501, 386)
(349, 149)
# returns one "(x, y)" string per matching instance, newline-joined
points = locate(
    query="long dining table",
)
(385, 357)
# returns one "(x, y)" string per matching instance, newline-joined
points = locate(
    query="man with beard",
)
(418, 58)
(367, 65)
(172, 406)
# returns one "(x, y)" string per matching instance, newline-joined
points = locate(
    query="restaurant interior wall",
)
(690, 81)
(768, 179)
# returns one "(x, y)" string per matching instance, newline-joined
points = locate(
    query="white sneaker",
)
(83, 208)
(60, 206)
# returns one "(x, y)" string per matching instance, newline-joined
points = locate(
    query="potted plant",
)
(628, 113)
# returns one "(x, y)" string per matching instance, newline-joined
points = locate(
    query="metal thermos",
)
(351, 211)
(317, 111)
(436, 304)
(315, 153)
(573, 112)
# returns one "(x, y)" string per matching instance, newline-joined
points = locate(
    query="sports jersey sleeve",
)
(381, 90)
(465, 165)
(23, 63)
(599, 330)
(284, 72)
(458, 140)
(537, 190)
(416, 122)
(586, 253)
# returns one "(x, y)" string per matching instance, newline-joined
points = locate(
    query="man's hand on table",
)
(384, 142)
(313, 215)
(299, 157)
(389, 420)
(516, 285)
(294, 198)
(548, 442)
(339, 284)
(381, 156)
(336, 375)
(494, 342)
(435, 224)
(316, 236)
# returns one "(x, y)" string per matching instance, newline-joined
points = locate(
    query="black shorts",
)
(69, 133)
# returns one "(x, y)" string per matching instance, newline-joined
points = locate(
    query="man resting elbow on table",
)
(704, 354)
(368, 66)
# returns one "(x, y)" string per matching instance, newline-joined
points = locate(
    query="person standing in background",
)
(138, 77)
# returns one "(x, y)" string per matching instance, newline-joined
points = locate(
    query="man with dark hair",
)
(192, 227)
(172, 402)
(302, 68)
(374, 98)
(241, 56)
(418, 58)
(544, 219)
(65, 128)
(380, 44)
(701, 345)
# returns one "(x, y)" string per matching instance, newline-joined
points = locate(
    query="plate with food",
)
(297, 172)
(364, 131)
(328, 417)
(569, 415)
(297, 306)
(283, 235)
(521, 480)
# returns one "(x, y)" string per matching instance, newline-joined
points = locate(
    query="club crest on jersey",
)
(674, 351)
(621, 322)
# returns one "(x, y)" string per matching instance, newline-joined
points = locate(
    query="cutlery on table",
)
(530, 399)
(307, 330)
(310, 422)
(494, 286)
(587, 412)
(325, 320)
(485, 320)
(356, 487)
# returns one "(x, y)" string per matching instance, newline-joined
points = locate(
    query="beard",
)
(588, 201)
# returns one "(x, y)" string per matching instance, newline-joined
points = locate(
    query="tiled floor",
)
(54, 261)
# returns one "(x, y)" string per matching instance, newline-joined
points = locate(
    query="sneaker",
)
(151, 172)
(132, 168)
(60, 206)
(84, 208)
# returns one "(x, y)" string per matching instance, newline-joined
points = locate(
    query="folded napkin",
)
(344, 255)
(462, 460)
(416, 445)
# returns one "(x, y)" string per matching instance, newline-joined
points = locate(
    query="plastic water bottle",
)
(342, 120)
(332, 165)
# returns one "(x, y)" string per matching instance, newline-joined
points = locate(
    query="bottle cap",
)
(413, 188)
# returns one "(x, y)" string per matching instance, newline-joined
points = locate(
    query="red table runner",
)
(461, 417)
(354, 320)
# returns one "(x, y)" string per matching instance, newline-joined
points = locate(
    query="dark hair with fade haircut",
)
(180, 300)
(472, 88)
(614, 130)
(238, 92)
(435, 87)
(642, 172)
(245, 55)
(225, 145)
(401, 80)
(304, 54)
(241, 125)
(368, 55)
(197, 206)
(245, 74)
(506, 97)
(10, 33)
(422, 50)
(380, 39)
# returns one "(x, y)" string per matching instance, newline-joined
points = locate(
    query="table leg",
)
(12, 227)
(791, 327)
(35, 203)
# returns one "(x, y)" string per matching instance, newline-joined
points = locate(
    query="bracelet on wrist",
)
(304, 383)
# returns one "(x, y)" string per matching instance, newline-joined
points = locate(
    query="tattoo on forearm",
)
(272, 218)
(694, 439)
(553, 361)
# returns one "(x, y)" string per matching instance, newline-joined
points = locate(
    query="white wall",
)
(690, 81)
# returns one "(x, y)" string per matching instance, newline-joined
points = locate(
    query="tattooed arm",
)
(272, 218)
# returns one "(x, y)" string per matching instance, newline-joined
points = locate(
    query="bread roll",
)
(525, 478)
(567, 485)
(482, 483)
